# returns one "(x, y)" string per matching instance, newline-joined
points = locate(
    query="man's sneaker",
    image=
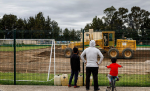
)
(97, 89)
(117, 79)
(69, 85)
(76, 86)
(87, 89)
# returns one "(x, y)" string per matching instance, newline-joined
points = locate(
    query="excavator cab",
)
(108, 39)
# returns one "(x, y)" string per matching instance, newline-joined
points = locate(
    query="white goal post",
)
(53, 43)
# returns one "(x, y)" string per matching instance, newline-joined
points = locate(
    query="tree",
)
(30, 25)
(39, 21)
(145, 30)
(100, 24)
(47, 28)
(94, 24)
(87, 27)
(20, 24)
(109, 14)
(25, 24)
(78, 33)
(1, 34)
(73, 35)
(55, 29)
(66, 34)
(97, 24)
(48, 24)
(19, 28)
(39, 24)
(1, 26)
(146, 24)
(119, 18)
(137, 17)
(123, 14)
(122, 17)
(8, 23)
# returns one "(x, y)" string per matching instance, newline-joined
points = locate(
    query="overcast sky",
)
(71, 14)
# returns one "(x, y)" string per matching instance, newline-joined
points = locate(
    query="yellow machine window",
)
(111, 39)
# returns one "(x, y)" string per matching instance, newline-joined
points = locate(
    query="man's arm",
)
(101, 57)
(79, 63)
(82, 56)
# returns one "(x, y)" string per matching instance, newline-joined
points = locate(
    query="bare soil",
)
(37, 61)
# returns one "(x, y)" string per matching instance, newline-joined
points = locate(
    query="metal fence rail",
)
(27, 61)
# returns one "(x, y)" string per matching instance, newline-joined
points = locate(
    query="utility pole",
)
(83, 50)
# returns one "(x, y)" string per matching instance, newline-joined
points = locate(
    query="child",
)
(75, 67)
(113, 69)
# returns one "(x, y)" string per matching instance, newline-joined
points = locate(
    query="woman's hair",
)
(113, 60)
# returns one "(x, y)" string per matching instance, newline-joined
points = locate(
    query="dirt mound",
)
(58, 53)
(44, 54)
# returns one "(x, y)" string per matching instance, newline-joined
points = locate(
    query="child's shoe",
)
(117, 79)
(76, 86)
(69, 85)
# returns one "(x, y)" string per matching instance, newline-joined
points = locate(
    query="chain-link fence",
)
(39, 58)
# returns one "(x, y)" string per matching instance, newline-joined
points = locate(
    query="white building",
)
(91, 35)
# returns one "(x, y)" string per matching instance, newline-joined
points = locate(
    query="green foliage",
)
(9, 21)
(32, 28)
(1, 34)
(21, 48)
(66, 34)
(135, 24)
(38, 27)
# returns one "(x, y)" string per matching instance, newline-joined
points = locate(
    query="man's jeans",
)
(76, 77)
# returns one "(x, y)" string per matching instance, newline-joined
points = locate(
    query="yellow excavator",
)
(124, 47)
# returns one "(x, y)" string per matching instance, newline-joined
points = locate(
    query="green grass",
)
(143, 46)
(32, 47)
(125, 80)
(138, 46)
(22, 48)
(37, 78)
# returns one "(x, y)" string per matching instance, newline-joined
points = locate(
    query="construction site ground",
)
(37, 61)
(34, 61)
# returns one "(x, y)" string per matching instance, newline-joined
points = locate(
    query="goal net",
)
(35, 59)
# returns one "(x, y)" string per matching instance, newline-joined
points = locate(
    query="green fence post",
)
(14, 57)
(83, 62)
